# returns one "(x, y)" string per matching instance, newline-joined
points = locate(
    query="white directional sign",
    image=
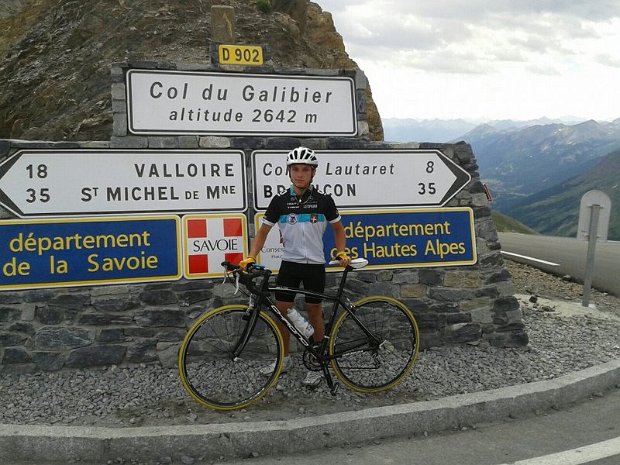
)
(590, 200)
(178, 102)
(80, 182)
(368, 178)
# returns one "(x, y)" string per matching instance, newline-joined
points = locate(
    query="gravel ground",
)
(150, 395)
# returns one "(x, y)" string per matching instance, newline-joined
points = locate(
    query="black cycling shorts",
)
(293, 274)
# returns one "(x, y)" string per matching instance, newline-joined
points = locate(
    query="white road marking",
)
(532, 259)
(578, 456)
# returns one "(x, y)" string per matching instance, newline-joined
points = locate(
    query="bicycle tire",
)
(365, 366)
(206, 365)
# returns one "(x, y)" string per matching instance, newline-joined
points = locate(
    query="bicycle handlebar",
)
(354, 264)
(253, 271)
(247, 277)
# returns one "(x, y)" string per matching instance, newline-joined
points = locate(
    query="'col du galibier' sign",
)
(178, 102)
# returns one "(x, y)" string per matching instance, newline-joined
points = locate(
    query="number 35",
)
(428, 188)
(42, 195)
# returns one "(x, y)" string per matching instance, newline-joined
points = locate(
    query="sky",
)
(483, 60)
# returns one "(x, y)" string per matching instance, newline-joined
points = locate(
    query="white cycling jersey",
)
(302, 222)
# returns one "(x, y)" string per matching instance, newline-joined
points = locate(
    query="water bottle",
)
(300, 322)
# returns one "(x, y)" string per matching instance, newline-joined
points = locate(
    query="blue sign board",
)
(408, 238)
(88, 251)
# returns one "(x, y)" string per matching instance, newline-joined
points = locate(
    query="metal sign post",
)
(587, 283)
(594, 213)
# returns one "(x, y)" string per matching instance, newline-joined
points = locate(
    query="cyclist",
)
(302, 214)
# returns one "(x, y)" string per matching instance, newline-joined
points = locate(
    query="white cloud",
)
(499, 59)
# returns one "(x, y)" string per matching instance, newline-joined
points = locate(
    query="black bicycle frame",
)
(337, 300)
(263, 299)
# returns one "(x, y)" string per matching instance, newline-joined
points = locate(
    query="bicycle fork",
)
(251, 316)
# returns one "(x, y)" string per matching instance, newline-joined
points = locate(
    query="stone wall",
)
(79, 327)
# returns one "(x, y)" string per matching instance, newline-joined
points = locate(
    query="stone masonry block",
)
(161, 317)
(50, 315)
(406, 277)
(8, 314)
(445, 294)
(48, 361)
(118, 91)
(214, 142)
(129, 142)
(462, 279)
(61, 338)
(15, 355)
(188, 142)
(119, 124)
(12, 339)
(163, 142)
(103, 355)
(144, 351)
(158, 297)
(413, 290)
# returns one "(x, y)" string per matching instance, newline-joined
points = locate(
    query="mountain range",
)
(560, 203)
(438, 130)
(538, 170)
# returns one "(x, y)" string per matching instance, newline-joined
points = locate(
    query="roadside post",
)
(223, 23)
(593, 225)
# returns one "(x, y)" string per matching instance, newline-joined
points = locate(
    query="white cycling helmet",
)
(302, 155)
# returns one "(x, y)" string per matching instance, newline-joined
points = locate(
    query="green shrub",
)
(264, 6)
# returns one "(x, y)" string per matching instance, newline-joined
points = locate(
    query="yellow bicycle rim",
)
(407, 369)
(188, 337)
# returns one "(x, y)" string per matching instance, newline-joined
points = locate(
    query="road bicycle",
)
(371, 345)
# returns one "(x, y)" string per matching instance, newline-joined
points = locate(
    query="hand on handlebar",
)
(343, 258)
(246, 262)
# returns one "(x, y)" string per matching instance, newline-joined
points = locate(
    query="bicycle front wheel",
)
(376, 348)
(216, 378)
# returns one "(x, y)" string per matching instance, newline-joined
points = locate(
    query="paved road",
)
(570, 255)
(586, 433)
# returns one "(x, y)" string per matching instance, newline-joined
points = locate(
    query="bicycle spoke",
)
(359, 361)
(210, 372)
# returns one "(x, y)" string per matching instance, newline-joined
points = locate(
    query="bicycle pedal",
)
(334, 389)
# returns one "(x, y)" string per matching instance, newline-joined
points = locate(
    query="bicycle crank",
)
(333, 385)
(311, 362)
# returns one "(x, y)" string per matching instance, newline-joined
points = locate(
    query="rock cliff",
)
(55, 55)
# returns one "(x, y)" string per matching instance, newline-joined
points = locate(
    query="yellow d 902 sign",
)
(247, 55)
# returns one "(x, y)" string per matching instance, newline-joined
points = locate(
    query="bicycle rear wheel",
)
(210, 372)
(379, 362)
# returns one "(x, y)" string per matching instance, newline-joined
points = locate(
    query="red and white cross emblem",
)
(210, 241)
